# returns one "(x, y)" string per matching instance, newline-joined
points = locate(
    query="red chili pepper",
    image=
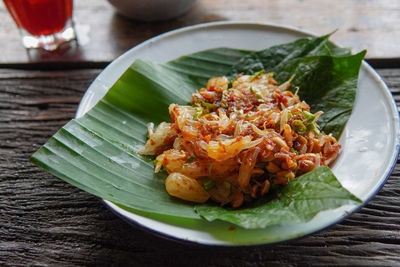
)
(283, 99)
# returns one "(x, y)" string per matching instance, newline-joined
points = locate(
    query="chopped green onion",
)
(234, 79)
(299, 127)
(258, 73)
(308, 116)
(310, 120)
(209, 168)
(210, 184)
(155, 162)
(294, 150)
(256, 93)
(208, 105)
(227, 185)
(199, 113)
(314, 128)
(191, 158)
(287, 176)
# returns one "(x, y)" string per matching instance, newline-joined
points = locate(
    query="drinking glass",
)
(43, 23)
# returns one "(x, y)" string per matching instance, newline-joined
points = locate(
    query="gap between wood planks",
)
(378, 63)
(55, 65)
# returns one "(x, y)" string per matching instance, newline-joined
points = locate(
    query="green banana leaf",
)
(97, 154)
(299, 201)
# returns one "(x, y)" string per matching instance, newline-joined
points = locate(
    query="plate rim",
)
(390, 166)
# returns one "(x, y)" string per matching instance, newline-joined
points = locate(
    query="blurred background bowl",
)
(152, 10)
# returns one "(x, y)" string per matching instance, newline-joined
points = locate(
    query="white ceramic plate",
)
(370, 141)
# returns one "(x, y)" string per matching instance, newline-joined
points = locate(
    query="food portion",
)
(110, 132)
(237, 139)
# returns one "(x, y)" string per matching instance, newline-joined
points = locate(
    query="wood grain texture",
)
(103, 35)
(46, 222)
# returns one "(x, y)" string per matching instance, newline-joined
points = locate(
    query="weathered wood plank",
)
(46, 222)
(372, 25)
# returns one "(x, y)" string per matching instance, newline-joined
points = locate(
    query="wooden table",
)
(46, 222)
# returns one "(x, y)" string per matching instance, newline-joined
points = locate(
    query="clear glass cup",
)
(43, 23)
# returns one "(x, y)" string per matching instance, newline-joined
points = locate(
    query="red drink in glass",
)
(43, 23)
